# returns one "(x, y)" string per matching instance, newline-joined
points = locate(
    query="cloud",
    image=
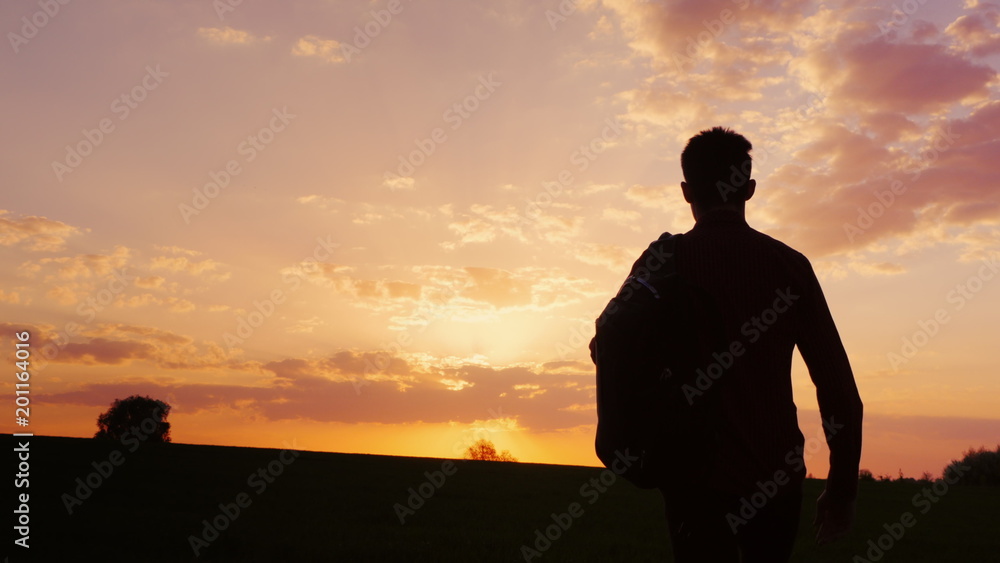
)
(848, 193)
(177, 250)
(229, 36)
(667, 105)
(614, 257)
(325, 203)
(305, 326)
(499, 288)
(485, 223)
(581, 408)
(855, 113)
(624, 217)
(11, 297)
(327, 50)
(85, 266)
(149, 282)
(103, 351)
(39, 234)
(68, 279)
(172, 304)
(668, 199)
(399, 183)
(493, 290)
(206, 268)
(909, 78)
(368, 386)
(977, 33)
(122, 344)
(416, 295)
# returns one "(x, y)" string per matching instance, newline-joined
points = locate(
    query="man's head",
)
(717, 166)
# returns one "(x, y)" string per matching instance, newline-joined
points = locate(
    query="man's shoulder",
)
(778, 246)
(772, 253)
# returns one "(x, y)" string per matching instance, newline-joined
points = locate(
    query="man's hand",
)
(834, 517)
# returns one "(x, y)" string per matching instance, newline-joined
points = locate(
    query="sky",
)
(387, 227)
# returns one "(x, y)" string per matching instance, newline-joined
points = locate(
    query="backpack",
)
(651, 340)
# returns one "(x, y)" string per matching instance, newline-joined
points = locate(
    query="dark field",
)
(340, 507)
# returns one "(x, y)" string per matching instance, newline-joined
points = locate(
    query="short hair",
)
(716, 164)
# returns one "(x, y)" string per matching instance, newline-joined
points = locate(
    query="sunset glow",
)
(387, 227)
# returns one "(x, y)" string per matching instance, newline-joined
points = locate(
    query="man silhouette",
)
(747, 507)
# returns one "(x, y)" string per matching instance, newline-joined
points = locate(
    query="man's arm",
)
(839, 404)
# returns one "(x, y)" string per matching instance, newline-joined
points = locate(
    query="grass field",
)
(340, 507)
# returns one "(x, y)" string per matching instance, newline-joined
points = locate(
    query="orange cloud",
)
(38, 233)
(229, 36)
(978, 32)
(327, 50)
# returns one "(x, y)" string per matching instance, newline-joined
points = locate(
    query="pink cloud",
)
(906, 77)
(347, 387)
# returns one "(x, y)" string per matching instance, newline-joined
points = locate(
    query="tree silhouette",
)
(977, 467)
(143, 417)
(484, 450)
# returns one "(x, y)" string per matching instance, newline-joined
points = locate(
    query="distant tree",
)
(484, 450)
(865, 475)
(978, 467)
(141, 416)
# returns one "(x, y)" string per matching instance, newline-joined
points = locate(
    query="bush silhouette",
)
(978, 467)
(484, 450)
(138, 415)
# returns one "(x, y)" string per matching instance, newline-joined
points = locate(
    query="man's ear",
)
(686, 189)
(751, 188)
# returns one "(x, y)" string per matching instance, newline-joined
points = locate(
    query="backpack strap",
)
(657, 262)
(667, 252)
